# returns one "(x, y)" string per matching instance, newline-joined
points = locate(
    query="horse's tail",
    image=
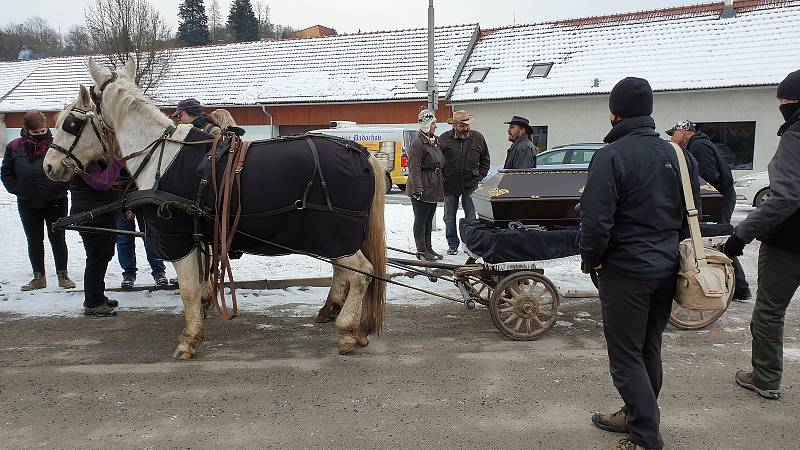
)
(374, 248)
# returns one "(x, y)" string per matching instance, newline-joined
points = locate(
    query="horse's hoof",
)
(324, 318)
(351, 343)
(182, 356)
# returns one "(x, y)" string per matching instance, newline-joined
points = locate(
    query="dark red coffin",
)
(547, 197)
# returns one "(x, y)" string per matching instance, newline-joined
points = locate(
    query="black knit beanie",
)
(789, 89)
(631, 97)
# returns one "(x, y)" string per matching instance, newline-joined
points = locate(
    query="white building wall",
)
(586, 118)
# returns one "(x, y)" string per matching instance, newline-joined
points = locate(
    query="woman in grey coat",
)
(425, 183)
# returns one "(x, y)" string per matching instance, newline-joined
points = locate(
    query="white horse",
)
(125, 117)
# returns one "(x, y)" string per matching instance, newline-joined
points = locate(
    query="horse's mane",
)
(129, 99)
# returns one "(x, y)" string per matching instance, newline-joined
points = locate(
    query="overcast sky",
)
(350, 16)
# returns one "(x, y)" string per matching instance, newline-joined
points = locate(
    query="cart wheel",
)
(524, 306)
(478, 290)
(697, 319)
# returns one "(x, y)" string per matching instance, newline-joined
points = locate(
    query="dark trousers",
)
(126, 250)
(778, 280)
(35, 221)
(99, 251)
(635, 313)
(726, 212)
(423, 218)
(450, 210)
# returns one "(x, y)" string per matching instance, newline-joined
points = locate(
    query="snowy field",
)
(302, 301)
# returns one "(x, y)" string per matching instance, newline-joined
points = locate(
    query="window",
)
(737, 140)
(540, 70)
(551, 157)
(581, 156)
(539, 138)
(478, 75)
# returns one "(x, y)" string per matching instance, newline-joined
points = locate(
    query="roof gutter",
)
(463, 63)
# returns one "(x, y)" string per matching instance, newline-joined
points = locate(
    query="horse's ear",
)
(84, 99)
(94, 69)
(130, 68)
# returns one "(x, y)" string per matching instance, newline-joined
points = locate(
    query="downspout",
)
(271, 127)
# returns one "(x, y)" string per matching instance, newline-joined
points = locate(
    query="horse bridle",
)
(75, 125)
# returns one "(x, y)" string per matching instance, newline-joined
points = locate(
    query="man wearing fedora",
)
(191, 111)
(466, 164)
(521, 155)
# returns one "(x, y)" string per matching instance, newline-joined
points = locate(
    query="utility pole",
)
(433, 95)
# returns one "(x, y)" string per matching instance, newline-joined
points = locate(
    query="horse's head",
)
(80, 137)
(112, 80)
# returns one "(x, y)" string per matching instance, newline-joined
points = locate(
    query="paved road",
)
(439, 377)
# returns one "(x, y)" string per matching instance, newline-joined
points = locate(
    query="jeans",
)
(126, 250)
(635, 313)
(99, 251)
(778, 280)
(34, 222)
(423, 218)
(450, 209)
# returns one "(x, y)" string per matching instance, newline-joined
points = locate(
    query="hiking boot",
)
(745, 380)
(38, 282)
(422, 251)
(112, 303)
(616, 422)
(452, 251)
(627, 444)
(161, 281)
(64, 281)
(429, 247)
(742, 295)
(102, 310)
(127, 282)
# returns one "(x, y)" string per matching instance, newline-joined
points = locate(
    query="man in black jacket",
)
(775, 224)
(466, 164)
(632, 215)
(715, 170)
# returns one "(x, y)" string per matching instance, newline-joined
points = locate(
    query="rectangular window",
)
(736, 140)
(539, 138)
(478, 75)
(540, 70)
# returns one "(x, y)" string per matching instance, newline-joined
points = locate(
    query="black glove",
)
(417, 197)
(733, 247)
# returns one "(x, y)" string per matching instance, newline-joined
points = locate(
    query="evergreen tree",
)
(242, 21)
(193, 29)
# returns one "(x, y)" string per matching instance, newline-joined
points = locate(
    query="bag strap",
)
(691, 210)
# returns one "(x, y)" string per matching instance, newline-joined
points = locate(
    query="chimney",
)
(728, 11)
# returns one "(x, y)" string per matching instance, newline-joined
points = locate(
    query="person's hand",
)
(733, 247)
(417, 196)
(587, 268)
(128, 215)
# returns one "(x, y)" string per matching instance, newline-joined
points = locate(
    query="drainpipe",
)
(271, 127)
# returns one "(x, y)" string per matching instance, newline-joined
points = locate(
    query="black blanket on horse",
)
(282, 196)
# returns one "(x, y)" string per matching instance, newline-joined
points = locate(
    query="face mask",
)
(788, 110)
(39, 137)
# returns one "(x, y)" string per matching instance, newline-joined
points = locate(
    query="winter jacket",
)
(425, 162)
(632, 208)
(777, 221)
(207, 127)
(23, 176)
(712, 164)
(466, 162)
(521, 155)
(94, 189)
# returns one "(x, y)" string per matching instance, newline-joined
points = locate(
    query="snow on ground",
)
(303, 301)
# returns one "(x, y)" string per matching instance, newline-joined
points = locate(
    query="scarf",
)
(36, 146)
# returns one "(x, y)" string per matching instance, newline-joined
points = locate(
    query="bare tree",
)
(77, 41)
(265, 25)
(33, 38)
(214, 13)
(120, 29)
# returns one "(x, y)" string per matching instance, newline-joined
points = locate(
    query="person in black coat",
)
(40, 200)
(632, 217)
(91, 190)
(715, 170)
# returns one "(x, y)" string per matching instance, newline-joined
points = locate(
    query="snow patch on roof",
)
(756, 48)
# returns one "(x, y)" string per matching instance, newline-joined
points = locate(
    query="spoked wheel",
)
(696, 319)
(524, 306)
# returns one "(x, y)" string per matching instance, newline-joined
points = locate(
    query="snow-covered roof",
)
(13, 73)
(675, 49)
(381, 66)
